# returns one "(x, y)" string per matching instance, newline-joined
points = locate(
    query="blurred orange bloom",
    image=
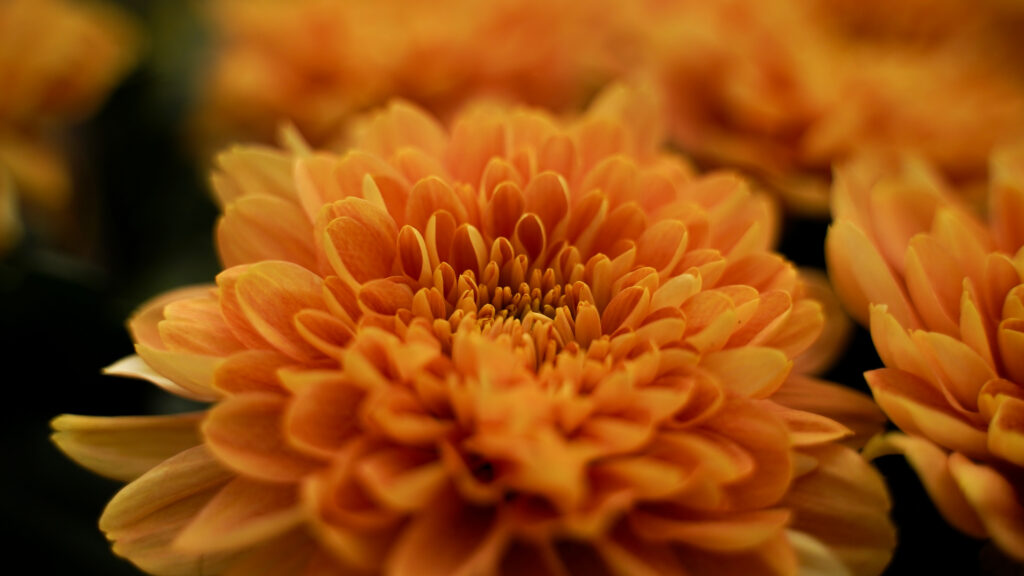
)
(316, 62)
(944, 295)
(786, 89)
(58, 60)
(516, 346)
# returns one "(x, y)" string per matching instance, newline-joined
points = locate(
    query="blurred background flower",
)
(58, 59)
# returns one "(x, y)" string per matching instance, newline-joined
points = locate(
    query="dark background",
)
(144, 223)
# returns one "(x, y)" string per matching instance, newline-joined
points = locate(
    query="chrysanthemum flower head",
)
(786, 89)
(518, 345)
(58, 60)
(943, 292)
(317, 62)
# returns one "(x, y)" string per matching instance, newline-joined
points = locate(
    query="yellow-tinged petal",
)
(125, 447)
(256, 228)
(932, 467)
(1006, 430)
(181, 373)
(244, 513)
(862, 277)
(919, 409)
(749, 371)
(853, 521)
(995, 499)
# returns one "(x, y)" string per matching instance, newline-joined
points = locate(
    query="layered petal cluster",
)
(58, 60)
(786, 89)
(316, 62)
(517, 345)
(943, 292)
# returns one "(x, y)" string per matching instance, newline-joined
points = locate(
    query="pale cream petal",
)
(125, 447)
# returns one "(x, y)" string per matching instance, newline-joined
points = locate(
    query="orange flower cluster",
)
(513, 346)
(944, 295)
(58, 59)
(786, 89)
(316, 62)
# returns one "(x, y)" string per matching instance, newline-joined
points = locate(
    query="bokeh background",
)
(143, 223)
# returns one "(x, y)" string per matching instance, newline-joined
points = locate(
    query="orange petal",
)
(243, 514)
(862, 277)
(253, 171)
(960, 370)
(995, 499)
(125, 447)
(184, 374)
(718, 532)
(196, 325)
(270, 294)
(473, 544)
(1006, 430)
(323, 414)
(246, 433)
(850, 408)
(919, 409)
(547, 196)
(749, 371)
(1011, 347)
(250, 371)
(145, 320)
(259, 228)
(934, 282)
(932, 467)
(361, 249)
(843, 503)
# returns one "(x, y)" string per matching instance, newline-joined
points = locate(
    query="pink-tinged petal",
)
(250, 371)
(853, 410)
(1011, 347)
(958, 368)
(474, 543)
(853, 521)
(996, 500)
(862, 277)
(919, 409)
(243, 514)
(717, 532)
(265, 228)
(186, 375)
(932, 467)
(934, 282)
(125, 447)
(270, 294)
(1006, 430)
(145, 320)
(246, 433)
(749, 371)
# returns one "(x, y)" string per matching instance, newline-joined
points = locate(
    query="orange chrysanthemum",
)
(515, 347)
(944, 295)
(58, 59)
(316, 62)
(786, 89)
